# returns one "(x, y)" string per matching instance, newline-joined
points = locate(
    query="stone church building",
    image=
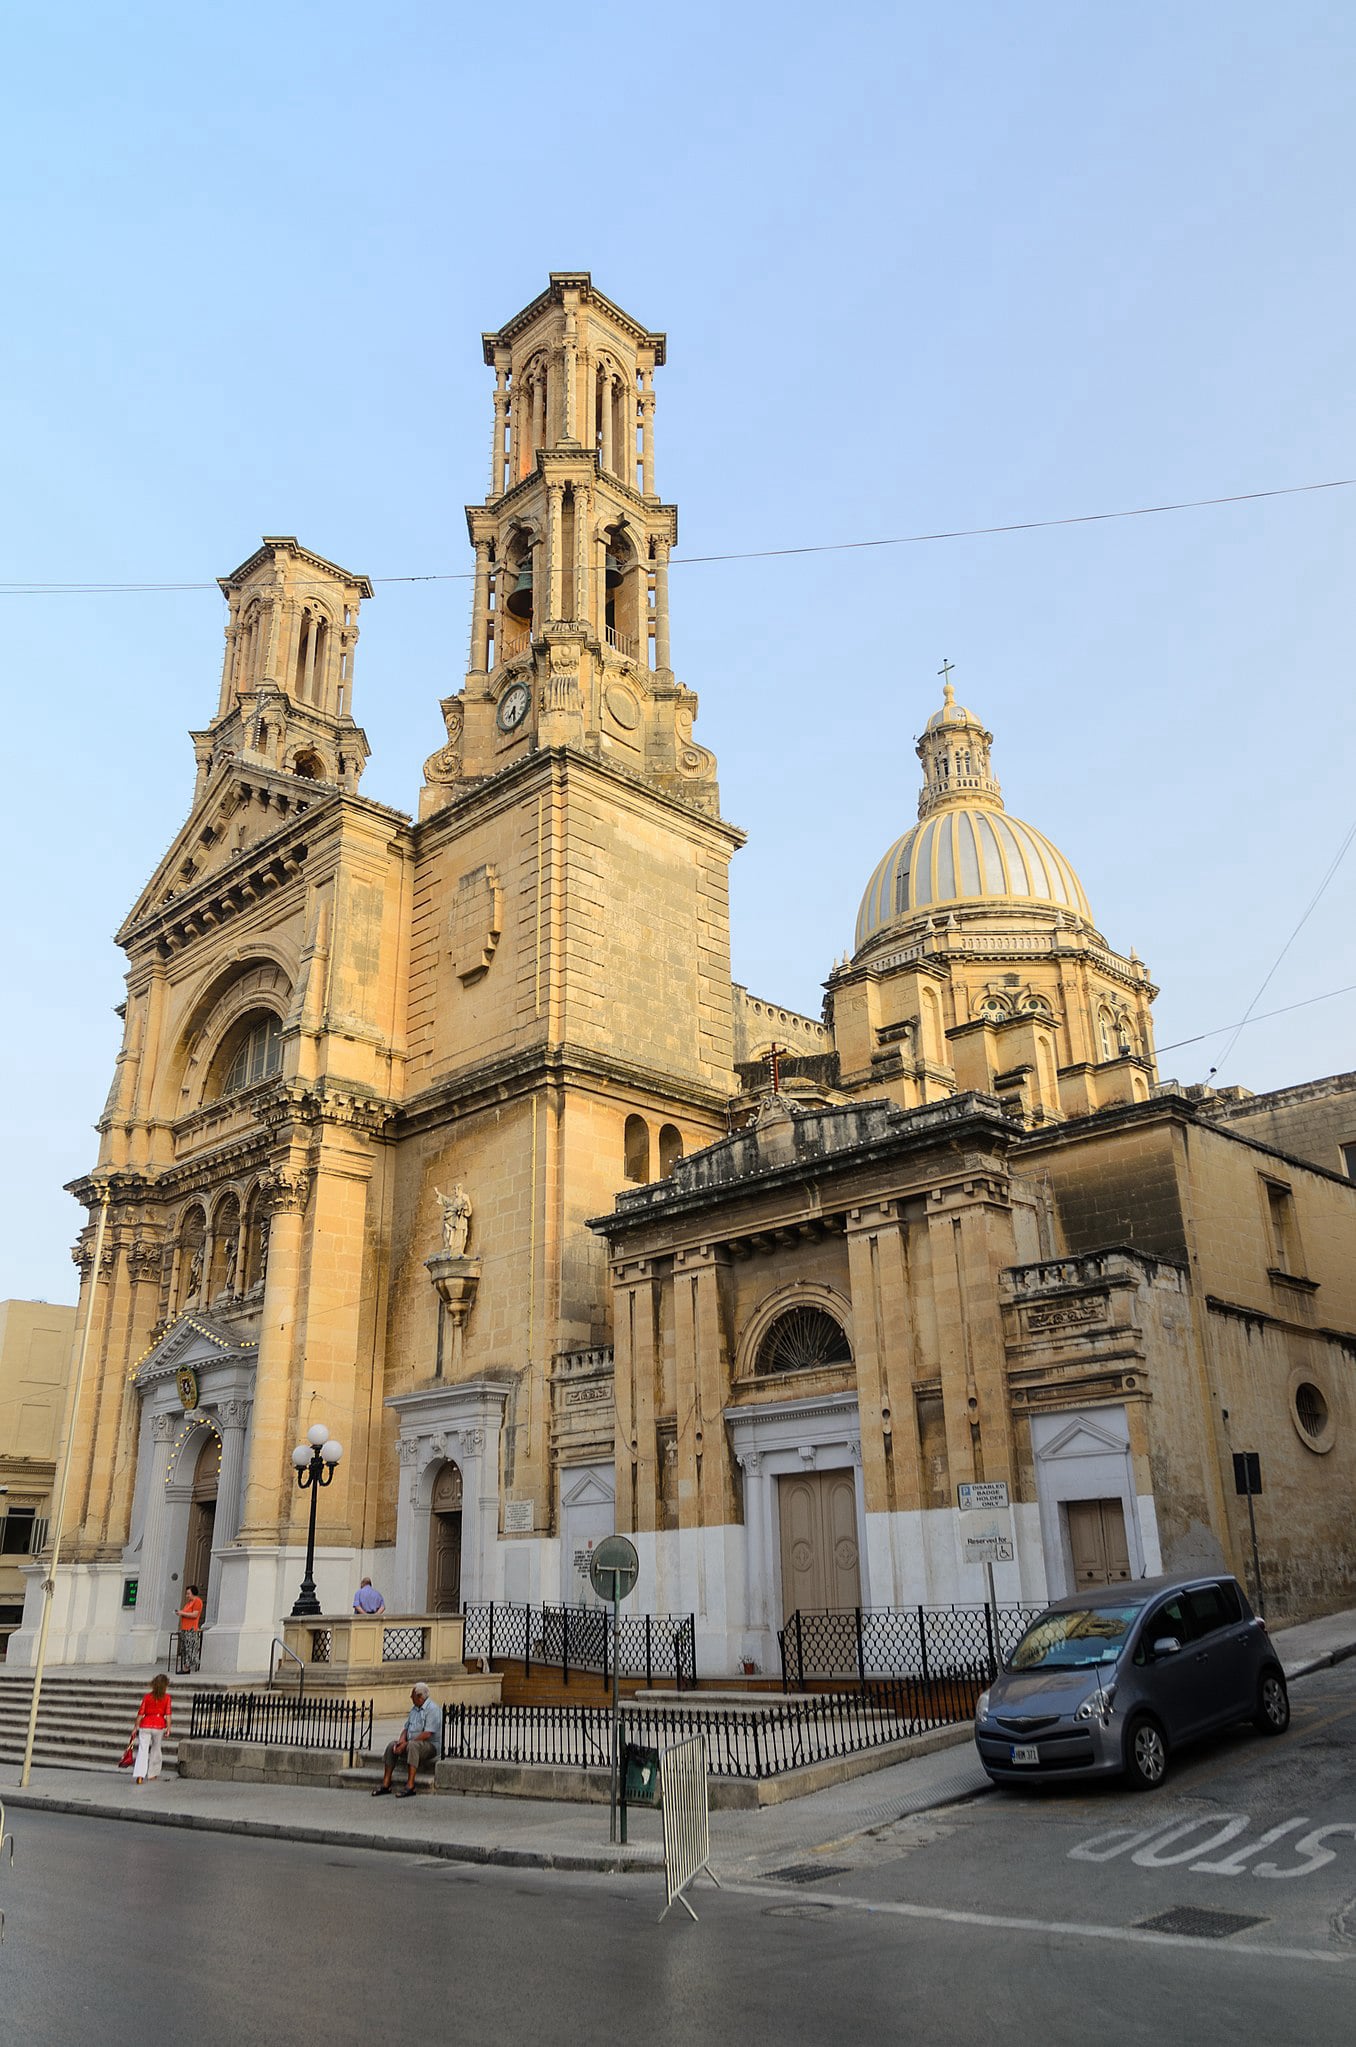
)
(453, 1132)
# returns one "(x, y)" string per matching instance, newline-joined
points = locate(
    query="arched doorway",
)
(202, 1514)
(444, 1543)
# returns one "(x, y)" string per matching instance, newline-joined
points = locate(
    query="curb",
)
(338, 1837)
(1323, 1662)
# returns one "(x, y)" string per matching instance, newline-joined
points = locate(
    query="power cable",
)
(1314, 900)
(1262, 1017)
(1247, 497)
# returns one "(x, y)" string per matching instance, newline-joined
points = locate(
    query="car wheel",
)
(1272, 1715)
(1146, 1754)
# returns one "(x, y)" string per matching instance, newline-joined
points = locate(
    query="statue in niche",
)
(456, 1214)
(194, 1274)
(228, 1277)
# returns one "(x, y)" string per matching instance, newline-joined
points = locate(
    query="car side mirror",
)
(1167, 1645)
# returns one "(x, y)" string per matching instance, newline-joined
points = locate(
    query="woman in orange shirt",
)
(153, 1721)
(190, 1629)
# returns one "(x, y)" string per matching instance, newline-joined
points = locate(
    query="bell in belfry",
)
(612, 574)
(520, 597)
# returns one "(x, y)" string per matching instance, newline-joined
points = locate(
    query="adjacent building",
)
(35, 1359)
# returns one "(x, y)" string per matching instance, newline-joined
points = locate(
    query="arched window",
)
(257, 1055)
(800, 1340)
(637, 1149)
(670, 1148)
(310, 767)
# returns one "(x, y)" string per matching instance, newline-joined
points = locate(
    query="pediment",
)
(1083, 1438)
(587, 1490)
(233, 832)
(195, 1340)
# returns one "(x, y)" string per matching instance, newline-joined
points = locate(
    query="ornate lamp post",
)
(315, 1462)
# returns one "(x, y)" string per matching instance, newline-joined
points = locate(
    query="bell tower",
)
(570, 613)
(287, 680)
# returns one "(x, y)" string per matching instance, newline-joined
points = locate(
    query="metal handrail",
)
(278, 1643)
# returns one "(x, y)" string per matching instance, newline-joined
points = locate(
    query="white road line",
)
(1135, 1936)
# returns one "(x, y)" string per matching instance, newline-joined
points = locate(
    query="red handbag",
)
(129, 1755)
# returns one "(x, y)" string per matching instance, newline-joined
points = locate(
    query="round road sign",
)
(614, 1562)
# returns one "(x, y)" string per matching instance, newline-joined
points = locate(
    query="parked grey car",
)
(1115, 1678)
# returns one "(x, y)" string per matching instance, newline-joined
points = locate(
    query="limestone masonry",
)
(454, 1133)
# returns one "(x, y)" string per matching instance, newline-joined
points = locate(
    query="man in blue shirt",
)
(417, 1741)
(367, 1599)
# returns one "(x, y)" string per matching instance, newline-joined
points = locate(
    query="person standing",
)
(153, 1719)
(190, 1629)
(367, 1600)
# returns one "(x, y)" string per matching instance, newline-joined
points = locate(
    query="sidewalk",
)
(541, 1834)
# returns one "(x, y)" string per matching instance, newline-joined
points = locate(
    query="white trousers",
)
(147, 1763)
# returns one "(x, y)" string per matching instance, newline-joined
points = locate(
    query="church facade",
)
(452, 1132)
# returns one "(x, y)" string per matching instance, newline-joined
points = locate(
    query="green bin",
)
(640, 1777)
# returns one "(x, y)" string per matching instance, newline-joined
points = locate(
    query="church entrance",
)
(817, 1513)
(202, 1515)
(444, 1546)
(1101, 1555)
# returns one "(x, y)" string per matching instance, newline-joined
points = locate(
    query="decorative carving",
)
(285, 1190)
(233, 1414)
(409, 1451)
(456, 1218)
(145, 1260)
(162, 1428)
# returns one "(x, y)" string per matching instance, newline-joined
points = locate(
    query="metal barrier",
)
(582, 1638)
(278, 1644)
(926, 1643)
(738, 1742)
(687, 1820)
(282, 1721)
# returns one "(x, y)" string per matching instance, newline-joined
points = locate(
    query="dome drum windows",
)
(1311, 1413)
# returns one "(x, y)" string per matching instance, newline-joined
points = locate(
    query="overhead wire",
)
(18, 588)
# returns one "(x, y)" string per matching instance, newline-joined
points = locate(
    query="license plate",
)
(1028, 1754)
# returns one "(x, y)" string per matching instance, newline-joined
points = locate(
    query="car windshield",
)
(1074, 1640)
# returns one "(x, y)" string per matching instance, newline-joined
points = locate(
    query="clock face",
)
(513, 707)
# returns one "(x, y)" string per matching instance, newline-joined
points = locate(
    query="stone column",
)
(589, 424)
(232, 1416)
(647, 442)
(153, 1610)
(307, 689)
(555, 496)
(480, 610)
(661, 605)
(583, 512)
(269, 1473)
(607, 424)
(569, 410)
(497, 445)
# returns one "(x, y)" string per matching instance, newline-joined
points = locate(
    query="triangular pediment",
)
(587, 1490)
(233, 832)
(1083, 1438)
(195, 1340)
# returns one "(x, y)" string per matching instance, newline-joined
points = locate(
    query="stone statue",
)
(194, 1274)
(456, 1211)
(228, 1277)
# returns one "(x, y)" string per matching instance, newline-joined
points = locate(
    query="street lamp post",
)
(315, 1462)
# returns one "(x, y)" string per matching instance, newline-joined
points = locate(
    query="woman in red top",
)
(153, 1721)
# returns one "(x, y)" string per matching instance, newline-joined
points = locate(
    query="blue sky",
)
(920, 269)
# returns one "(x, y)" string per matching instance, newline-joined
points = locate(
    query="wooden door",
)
(1101, 1554)
(444, 1562)
(202, 1517)
(817, 1511)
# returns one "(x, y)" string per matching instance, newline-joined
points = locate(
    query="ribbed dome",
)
(966, 854)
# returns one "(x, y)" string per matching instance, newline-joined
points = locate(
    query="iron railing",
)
(582, 1638)
(281, 1721)
(739, 1742)
(925, 1643)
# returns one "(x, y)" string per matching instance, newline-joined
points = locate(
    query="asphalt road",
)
(1018, 1918)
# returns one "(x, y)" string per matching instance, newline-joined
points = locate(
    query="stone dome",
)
(965, 852)
(964, 856)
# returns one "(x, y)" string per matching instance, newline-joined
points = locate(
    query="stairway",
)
(83, 1721)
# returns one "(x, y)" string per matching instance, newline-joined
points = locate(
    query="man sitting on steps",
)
(417, 1741)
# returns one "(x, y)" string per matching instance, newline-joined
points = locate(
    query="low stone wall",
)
(253, 1762)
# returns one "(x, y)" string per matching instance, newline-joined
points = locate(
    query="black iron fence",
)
(930, 1644)
(282, 1721)
(583, 1638)
(739, 1741)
